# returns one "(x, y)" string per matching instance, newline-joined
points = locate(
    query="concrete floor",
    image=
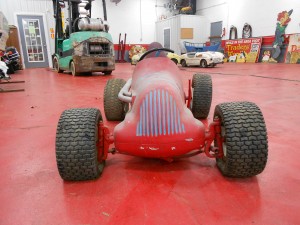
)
(133, 190)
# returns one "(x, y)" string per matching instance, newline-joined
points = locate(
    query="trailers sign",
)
(243, 50)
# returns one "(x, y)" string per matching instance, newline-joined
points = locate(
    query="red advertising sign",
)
(243, 50)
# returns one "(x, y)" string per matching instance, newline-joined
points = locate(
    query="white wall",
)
(134, 17)
(126, 17)
(261, 15)
(11, 7)
(175, 23)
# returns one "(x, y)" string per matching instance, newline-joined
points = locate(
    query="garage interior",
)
(135, 190)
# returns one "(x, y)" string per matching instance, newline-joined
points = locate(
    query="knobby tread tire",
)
(76, 144)
(114, 108)
(245, 138)
(202, 95)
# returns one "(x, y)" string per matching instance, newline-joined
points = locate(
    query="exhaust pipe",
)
(105, 16)
(104, 10)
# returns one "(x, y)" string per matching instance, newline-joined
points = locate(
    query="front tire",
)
(245, 144)
(107, 72)
(175, 61)
(183, 63)
(56, 66)
(76, 144)
(114, 108)
(202, 95)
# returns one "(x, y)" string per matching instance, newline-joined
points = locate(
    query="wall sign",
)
(293, 51)
(243, 50)
(187, 33)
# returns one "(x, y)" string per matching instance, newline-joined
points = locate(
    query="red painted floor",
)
(139, 191)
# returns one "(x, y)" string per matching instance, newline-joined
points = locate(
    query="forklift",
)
(84, 46)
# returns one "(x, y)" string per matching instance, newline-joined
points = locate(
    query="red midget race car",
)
(160, 120)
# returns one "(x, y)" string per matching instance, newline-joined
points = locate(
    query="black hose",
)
(154, 50)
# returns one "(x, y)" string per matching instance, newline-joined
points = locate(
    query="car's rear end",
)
(214, 58)
(93, 51)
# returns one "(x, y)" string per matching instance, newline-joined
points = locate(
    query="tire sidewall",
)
(245, 139)
(56, 64)
(201, 95)
(114, 108)
(73, 68)
(203, 63)
(76, 149)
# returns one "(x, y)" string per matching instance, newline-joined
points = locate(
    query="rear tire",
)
(114, 108)
(76, 144)
(183, 63)
(203, 63)
(73, 69)
(202, 95)
(245, 143)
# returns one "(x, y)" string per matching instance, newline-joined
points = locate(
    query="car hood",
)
(213, 54)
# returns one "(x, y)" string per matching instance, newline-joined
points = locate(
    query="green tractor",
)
(84, 46)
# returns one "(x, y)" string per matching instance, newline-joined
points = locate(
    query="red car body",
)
(158, 120)
(159, 124)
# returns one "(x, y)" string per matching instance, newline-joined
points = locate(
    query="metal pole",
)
(104, 10)
(124, 48)
(119, 47)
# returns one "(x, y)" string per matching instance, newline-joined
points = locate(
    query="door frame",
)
(46, 30)
(216, 36)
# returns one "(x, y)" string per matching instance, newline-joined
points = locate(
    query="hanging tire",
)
(203, 63)
(73, 69)
(183, 63)
(245, 143)
(202, 95)
(56, 66)
(114, 109)
(76, 144)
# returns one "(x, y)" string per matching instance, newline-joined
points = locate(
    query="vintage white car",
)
(202, 59)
